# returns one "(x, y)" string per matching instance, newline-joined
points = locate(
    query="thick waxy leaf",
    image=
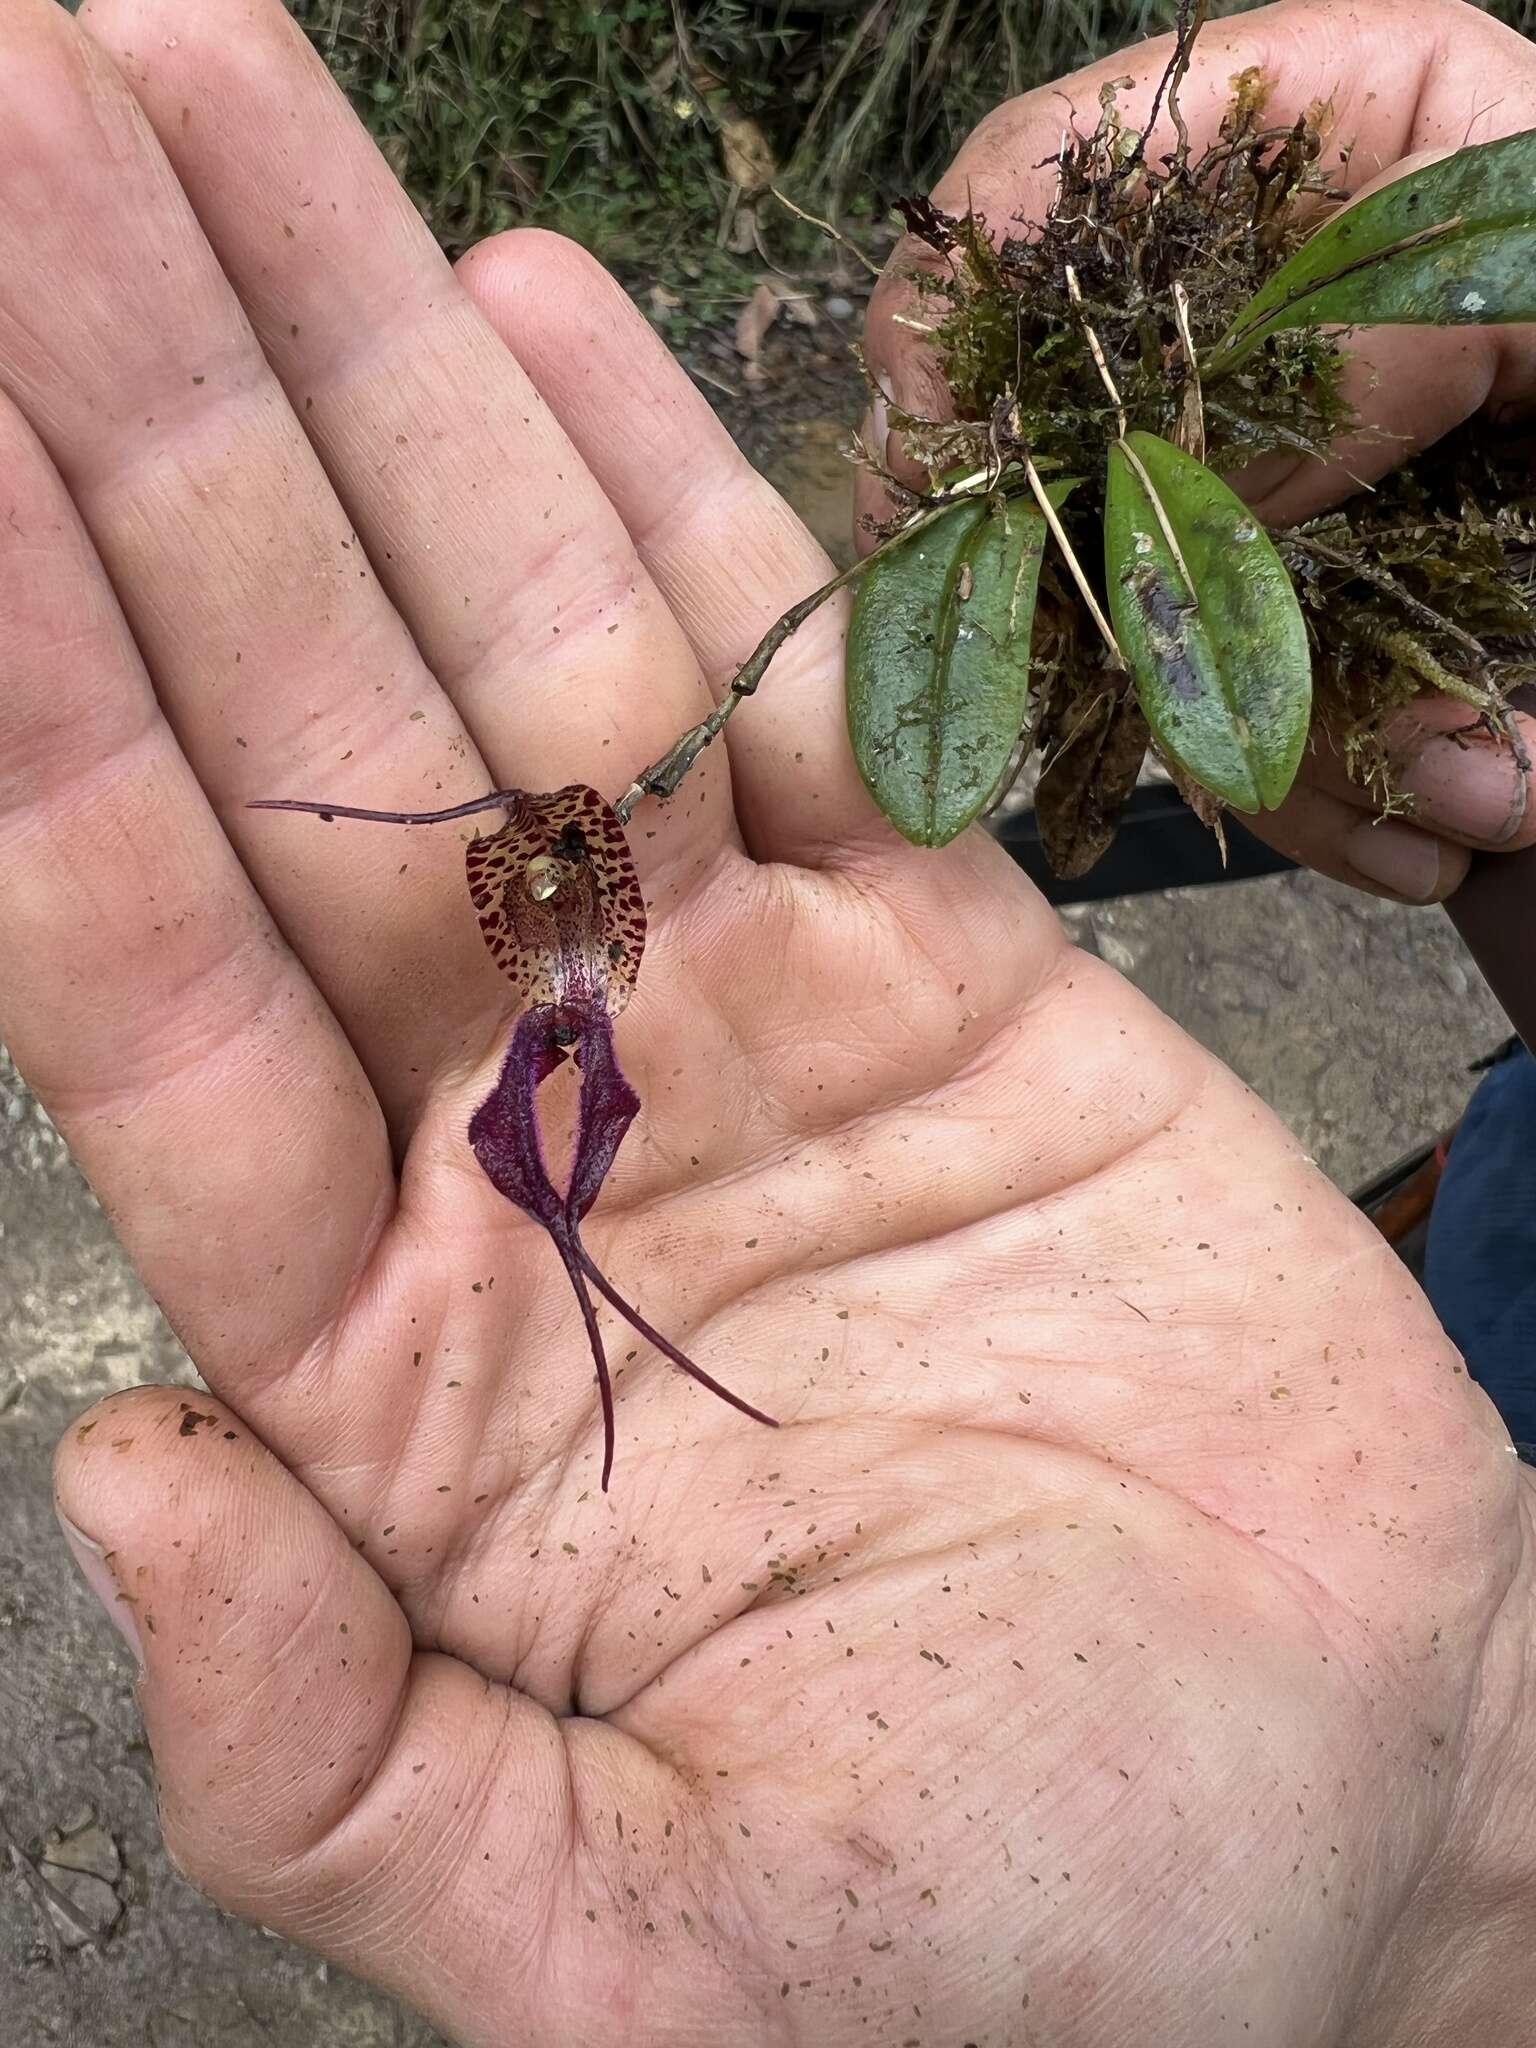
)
(938, 663)
(1219, 655)
(1452, 245)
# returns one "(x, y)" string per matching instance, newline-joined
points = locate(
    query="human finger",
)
(276, 656)
(727, 553)
(432, 1830)
(199, 1079)
(1382, 855)
(514, 573)
(1448, 773)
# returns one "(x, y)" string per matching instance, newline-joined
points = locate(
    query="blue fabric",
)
(1480, 1262)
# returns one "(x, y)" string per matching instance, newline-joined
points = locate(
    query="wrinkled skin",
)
(1124, 1637)
(1407, 82)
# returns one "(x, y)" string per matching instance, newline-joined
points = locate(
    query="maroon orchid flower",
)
(560, 907)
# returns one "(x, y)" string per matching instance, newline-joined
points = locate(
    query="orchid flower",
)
(560, 908)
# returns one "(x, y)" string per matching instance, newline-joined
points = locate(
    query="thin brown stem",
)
(1187, 26)
(498, 800)
(664, 775)
(1383, 579)
(1191, 21)
(1096, 350)
(834, 233)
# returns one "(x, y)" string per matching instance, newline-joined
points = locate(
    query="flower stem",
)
(834, 233)
(663, 777)
(499, 799)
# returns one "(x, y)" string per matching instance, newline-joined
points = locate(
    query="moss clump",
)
(1424, 584)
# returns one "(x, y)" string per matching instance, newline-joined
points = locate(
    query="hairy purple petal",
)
(608, 1107)
(504, 1135)
(504, 1130)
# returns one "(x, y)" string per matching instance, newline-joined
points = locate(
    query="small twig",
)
(1096, 350)
(1286, 437)
(1191, 21)
(708, 377)
(1187, 27)
(1162, 519)
(1194, 410)
(663, 776)
(1079, 577)
(836, 234)
(755, 218)
(1084, 722)
(1368, 572)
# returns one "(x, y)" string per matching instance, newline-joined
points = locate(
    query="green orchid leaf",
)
(1206, 617)
(938, 662)
(1452, 245)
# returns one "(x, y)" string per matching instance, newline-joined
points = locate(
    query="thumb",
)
(905, 377)
(999, 176)
(394, 1811)
(1408, 387)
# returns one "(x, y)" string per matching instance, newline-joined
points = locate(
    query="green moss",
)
(1424, 584)
(1012, 325)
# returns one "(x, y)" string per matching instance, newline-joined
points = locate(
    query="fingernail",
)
(1474, 787)
(1395, 857)
(98, 1575)
(877, 428)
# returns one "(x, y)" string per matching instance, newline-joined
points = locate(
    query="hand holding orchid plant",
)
(1130, 1538)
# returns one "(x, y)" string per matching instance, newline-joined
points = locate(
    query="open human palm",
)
(1103, 1648)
